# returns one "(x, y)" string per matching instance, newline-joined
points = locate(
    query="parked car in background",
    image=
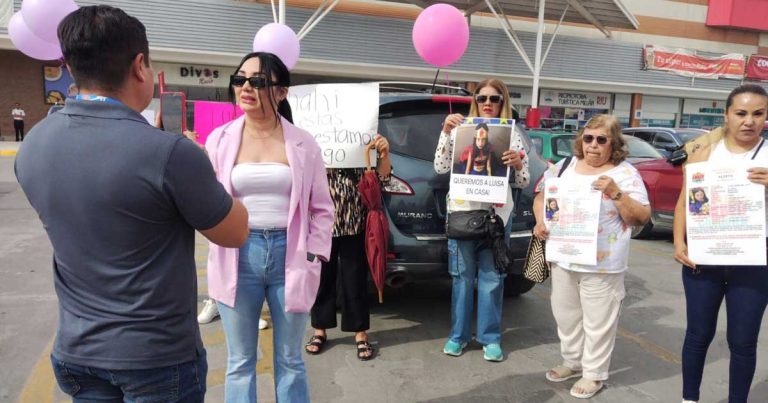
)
(663, 181)
(664, 139)
(551, 145)
(639, 150)
(415, 199)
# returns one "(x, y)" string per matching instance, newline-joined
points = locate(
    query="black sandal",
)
(364, 347)
(315, 341)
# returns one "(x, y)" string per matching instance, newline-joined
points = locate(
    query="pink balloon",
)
(43, 16)
(280, 40)
(28, 43)
(441, 34)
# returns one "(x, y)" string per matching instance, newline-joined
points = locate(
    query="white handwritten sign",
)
(344, 118)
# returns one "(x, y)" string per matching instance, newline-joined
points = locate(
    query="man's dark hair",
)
(744, 89)
(271, 65)
(99, 43)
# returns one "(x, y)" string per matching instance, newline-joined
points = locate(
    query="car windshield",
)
(688, 135)
(640, 149)
(537, 144)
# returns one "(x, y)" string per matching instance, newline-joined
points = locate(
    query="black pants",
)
(18, 126)
(348, 262)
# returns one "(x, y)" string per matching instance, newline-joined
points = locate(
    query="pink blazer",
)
(310, 216)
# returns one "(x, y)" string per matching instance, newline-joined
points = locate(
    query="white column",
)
(537, 61)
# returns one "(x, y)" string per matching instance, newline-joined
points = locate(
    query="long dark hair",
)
(271, 66)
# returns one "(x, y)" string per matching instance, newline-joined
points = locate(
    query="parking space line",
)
(40, 384)
(645, 344)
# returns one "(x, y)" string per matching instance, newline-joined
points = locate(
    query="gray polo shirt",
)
(120, 201)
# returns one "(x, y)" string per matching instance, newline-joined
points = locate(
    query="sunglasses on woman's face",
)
(495, 99)
(589, 138)
(255, 81)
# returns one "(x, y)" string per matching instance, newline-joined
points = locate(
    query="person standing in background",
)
(18, 121)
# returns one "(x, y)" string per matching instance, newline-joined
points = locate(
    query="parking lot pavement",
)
(408, 330)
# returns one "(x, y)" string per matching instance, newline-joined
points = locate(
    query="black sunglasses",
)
(254, 81)
(589, 138)
(495, 99)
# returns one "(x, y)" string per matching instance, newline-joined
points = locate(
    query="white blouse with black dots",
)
(444, 160)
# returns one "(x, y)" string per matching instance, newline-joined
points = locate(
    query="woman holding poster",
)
(277, 170)
(586, 299)
(470, 259)
(347, 262)
(744, 288)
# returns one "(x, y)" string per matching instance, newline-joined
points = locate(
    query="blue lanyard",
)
(97, 98)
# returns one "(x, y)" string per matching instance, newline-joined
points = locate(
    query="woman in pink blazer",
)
(277, 171)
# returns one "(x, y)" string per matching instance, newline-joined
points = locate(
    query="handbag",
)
(468, 225)
(536, 268)
(502, 254)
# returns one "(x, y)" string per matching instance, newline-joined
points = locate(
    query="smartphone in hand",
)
(173, 112)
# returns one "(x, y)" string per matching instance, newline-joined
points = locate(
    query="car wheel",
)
(642, 231)
(516, 284)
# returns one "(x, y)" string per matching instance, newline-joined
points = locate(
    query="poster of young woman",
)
(571, 214)
(725, 214)
(478, 173)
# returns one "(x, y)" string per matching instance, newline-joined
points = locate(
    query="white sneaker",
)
(209, 313)
(690, 401)
(263, 324)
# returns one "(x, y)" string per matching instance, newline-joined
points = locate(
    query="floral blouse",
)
(351, 213)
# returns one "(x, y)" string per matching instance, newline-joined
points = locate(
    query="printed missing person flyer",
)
(725, 214)
(478, 172)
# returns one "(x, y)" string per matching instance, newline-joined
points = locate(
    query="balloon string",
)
(447, 84)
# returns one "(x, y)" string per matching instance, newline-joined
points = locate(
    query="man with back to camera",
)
(120, 201)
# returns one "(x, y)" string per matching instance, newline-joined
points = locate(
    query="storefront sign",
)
(686, 63)
(592, 100)
(757, 67)
(704, 107)
(194, 75)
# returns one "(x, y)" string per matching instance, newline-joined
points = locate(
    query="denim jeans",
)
(261, 275)
(467, 260)
(184, 383)
(745, 290)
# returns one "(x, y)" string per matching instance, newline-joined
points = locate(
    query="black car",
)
(664, 139)
(415, 199)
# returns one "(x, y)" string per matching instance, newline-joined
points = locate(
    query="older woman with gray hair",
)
(586, 300)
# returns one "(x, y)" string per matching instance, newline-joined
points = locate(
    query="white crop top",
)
(265, 190)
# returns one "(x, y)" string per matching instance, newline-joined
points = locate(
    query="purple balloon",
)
(43, 16)
(440, 34)
(279, 40)
(28, 43)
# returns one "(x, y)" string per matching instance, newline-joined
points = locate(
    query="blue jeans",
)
(745, 290)
(261, 275)
(176, 383)
(467, 260)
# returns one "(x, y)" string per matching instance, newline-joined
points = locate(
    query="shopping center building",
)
(598, 65)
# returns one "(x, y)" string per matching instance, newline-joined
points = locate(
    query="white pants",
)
(586, 307)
